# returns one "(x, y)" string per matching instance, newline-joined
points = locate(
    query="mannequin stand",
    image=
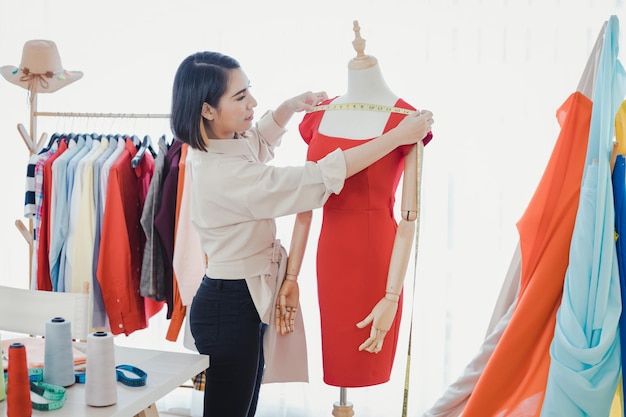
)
(343, 408)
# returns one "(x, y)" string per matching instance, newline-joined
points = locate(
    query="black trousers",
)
(226, 326)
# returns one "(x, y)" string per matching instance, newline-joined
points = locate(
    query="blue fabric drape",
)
(585, 351)
(619, 196)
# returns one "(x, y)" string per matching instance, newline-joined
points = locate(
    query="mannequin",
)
(375, 300)
(365, 85)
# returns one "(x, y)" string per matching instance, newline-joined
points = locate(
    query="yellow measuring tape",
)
(362, 106)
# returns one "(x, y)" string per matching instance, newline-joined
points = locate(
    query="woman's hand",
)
(287, 306)
(414, 127)
(306, 101)
(302, 102)
(381, 317)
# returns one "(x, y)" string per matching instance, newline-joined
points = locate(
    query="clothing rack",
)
(34, 145)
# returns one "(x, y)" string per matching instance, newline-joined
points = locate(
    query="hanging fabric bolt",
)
(18, 383)
(100, 374)
(58, 353)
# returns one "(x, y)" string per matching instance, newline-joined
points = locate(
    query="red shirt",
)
(122, 242)
(43, 263)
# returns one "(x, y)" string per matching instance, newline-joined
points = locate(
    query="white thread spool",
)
(58, 365)
(100, 374)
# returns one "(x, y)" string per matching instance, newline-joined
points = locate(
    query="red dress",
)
(354, 249)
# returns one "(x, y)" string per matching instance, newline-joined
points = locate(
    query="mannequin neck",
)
(368, 86)
(365, 85)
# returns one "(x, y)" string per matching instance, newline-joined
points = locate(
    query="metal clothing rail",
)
(102, 115)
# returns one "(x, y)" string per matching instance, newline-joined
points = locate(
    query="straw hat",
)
(41, 70)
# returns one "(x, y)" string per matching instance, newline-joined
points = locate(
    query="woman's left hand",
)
(287, 306)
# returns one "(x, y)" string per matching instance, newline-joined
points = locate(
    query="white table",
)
(166, 371)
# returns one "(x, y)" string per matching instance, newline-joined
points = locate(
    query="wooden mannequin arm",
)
(289, 292)
(384, 312)
(399, 259)
(409, 205)
(406, 228)
(299, 239)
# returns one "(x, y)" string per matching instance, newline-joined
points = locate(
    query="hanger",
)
(69, 137)
(146, 144)
(55, 137)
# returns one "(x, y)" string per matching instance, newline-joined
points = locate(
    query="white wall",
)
(492, 71)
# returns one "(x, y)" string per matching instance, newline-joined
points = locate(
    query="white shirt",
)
(236, 196)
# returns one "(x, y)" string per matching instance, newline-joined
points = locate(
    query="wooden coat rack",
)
(35, 145)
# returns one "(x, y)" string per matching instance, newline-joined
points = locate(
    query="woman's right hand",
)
(413, 127)
(409, 131)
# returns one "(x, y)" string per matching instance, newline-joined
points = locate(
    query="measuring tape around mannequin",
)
(362, 106)
(368, 107)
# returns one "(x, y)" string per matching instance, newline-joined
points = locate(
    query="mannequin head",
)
(365, 85)
(361, 61)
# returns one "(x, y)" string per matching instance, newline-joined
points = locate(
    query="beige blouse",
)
(235, 198)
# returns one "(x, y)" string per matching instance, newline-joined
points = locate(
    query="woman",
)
(235, 198)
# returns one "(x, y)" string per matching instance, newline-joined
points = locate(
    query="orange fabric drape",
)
(514, 379)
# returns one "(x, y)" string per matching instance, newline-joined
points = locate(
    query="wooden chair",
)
(27, 311)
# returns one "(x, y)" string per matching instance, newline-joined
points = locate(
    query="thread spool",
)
(18, 383)
(58, 365)
(2, 389)
(100, 373)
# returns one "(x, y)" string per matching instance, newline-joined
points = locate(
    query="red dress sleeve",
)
(398, 116)
(310, 122)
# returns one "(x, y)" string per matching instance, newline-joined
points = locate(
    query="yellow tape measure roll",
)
(362, 106)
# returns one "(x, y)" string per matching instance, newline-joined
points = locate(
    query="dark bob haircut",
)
(200, 78)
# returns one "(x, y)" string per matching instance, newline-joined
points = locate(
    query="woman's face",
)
(235, 111)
